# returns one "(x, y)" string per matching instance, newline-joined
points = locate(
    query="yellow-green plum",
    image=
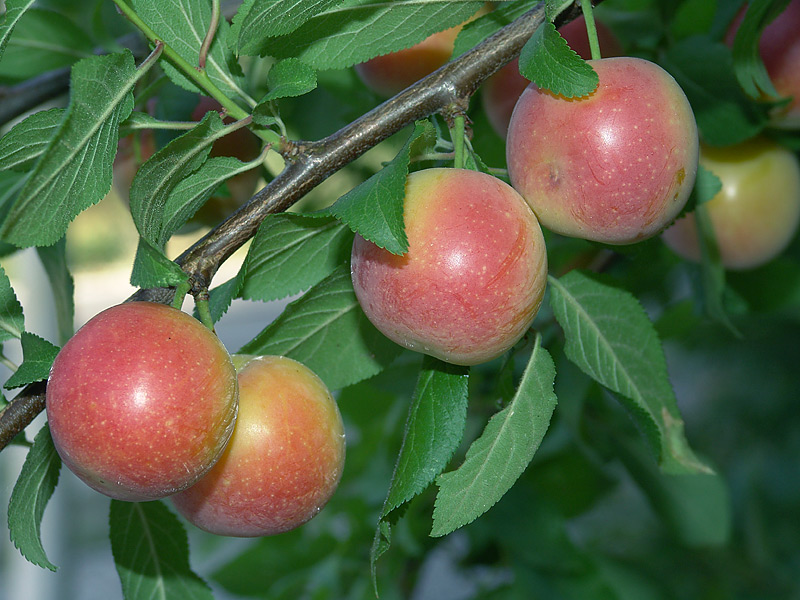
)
(616, 166)
(755, 214)
(503, 89)
(141, 401)
(284, 460)
(473, 278)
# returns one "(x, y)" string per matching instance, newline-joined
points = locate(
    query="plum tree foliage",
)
(631, 436)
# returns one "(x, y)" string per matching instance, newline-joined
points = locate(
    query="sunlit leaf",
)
(327, 331)
(74, 172)
(290, 253)
(183, 25)
(358, 30)
(37, 357)
(549, 62)
(21, 147)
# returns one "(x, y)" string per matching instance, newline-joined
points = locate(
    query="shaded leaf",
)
(748, 65)
(30, 496)
(15, 9)
(158, 177)
(609, 336)
(43, 41)
(724, 113)
(189, 195)
(54, 260)
(499, 456)
(327, 331)
(151, 553)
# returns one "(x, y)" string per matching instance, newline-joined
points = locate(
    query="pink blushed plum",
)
(503, 89)
(756, 213)
(616, 166)
(141, 401)
(473, 278)
(284, 460)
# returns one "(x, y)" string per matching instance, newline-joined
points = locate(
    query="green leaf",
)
(161, 174)
(43, 40)
(553, 8)
(696, 506)
(221, 297)
(434, 429)
(289, 78)
(257, 20)
(609, 336)
(374, 209)
(54, 261)
(151, 553)
(191, 193)
(33, 490)
(724, 113)
(183, 24)
(712, 271)
(327, 331)
(37, 357)
(151, 268)
(748, 65)
(22, 146)
(358, 30)
(74, 171)
(474, 32)
(499, 456)
(290, 253)
(549, 62)
(706, 186)
(15, 9)
(12, 322)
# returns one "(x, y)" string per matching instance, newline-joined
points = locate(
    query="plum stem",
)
(457, 133)
(203, 310)
(591, 29)
(180, 294)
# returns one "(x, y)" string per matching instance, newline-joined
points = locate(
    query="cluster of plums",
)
(144, 402)
(615, 167)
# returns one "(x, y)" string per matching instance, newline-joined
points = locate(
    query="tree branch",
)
(313, 162)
